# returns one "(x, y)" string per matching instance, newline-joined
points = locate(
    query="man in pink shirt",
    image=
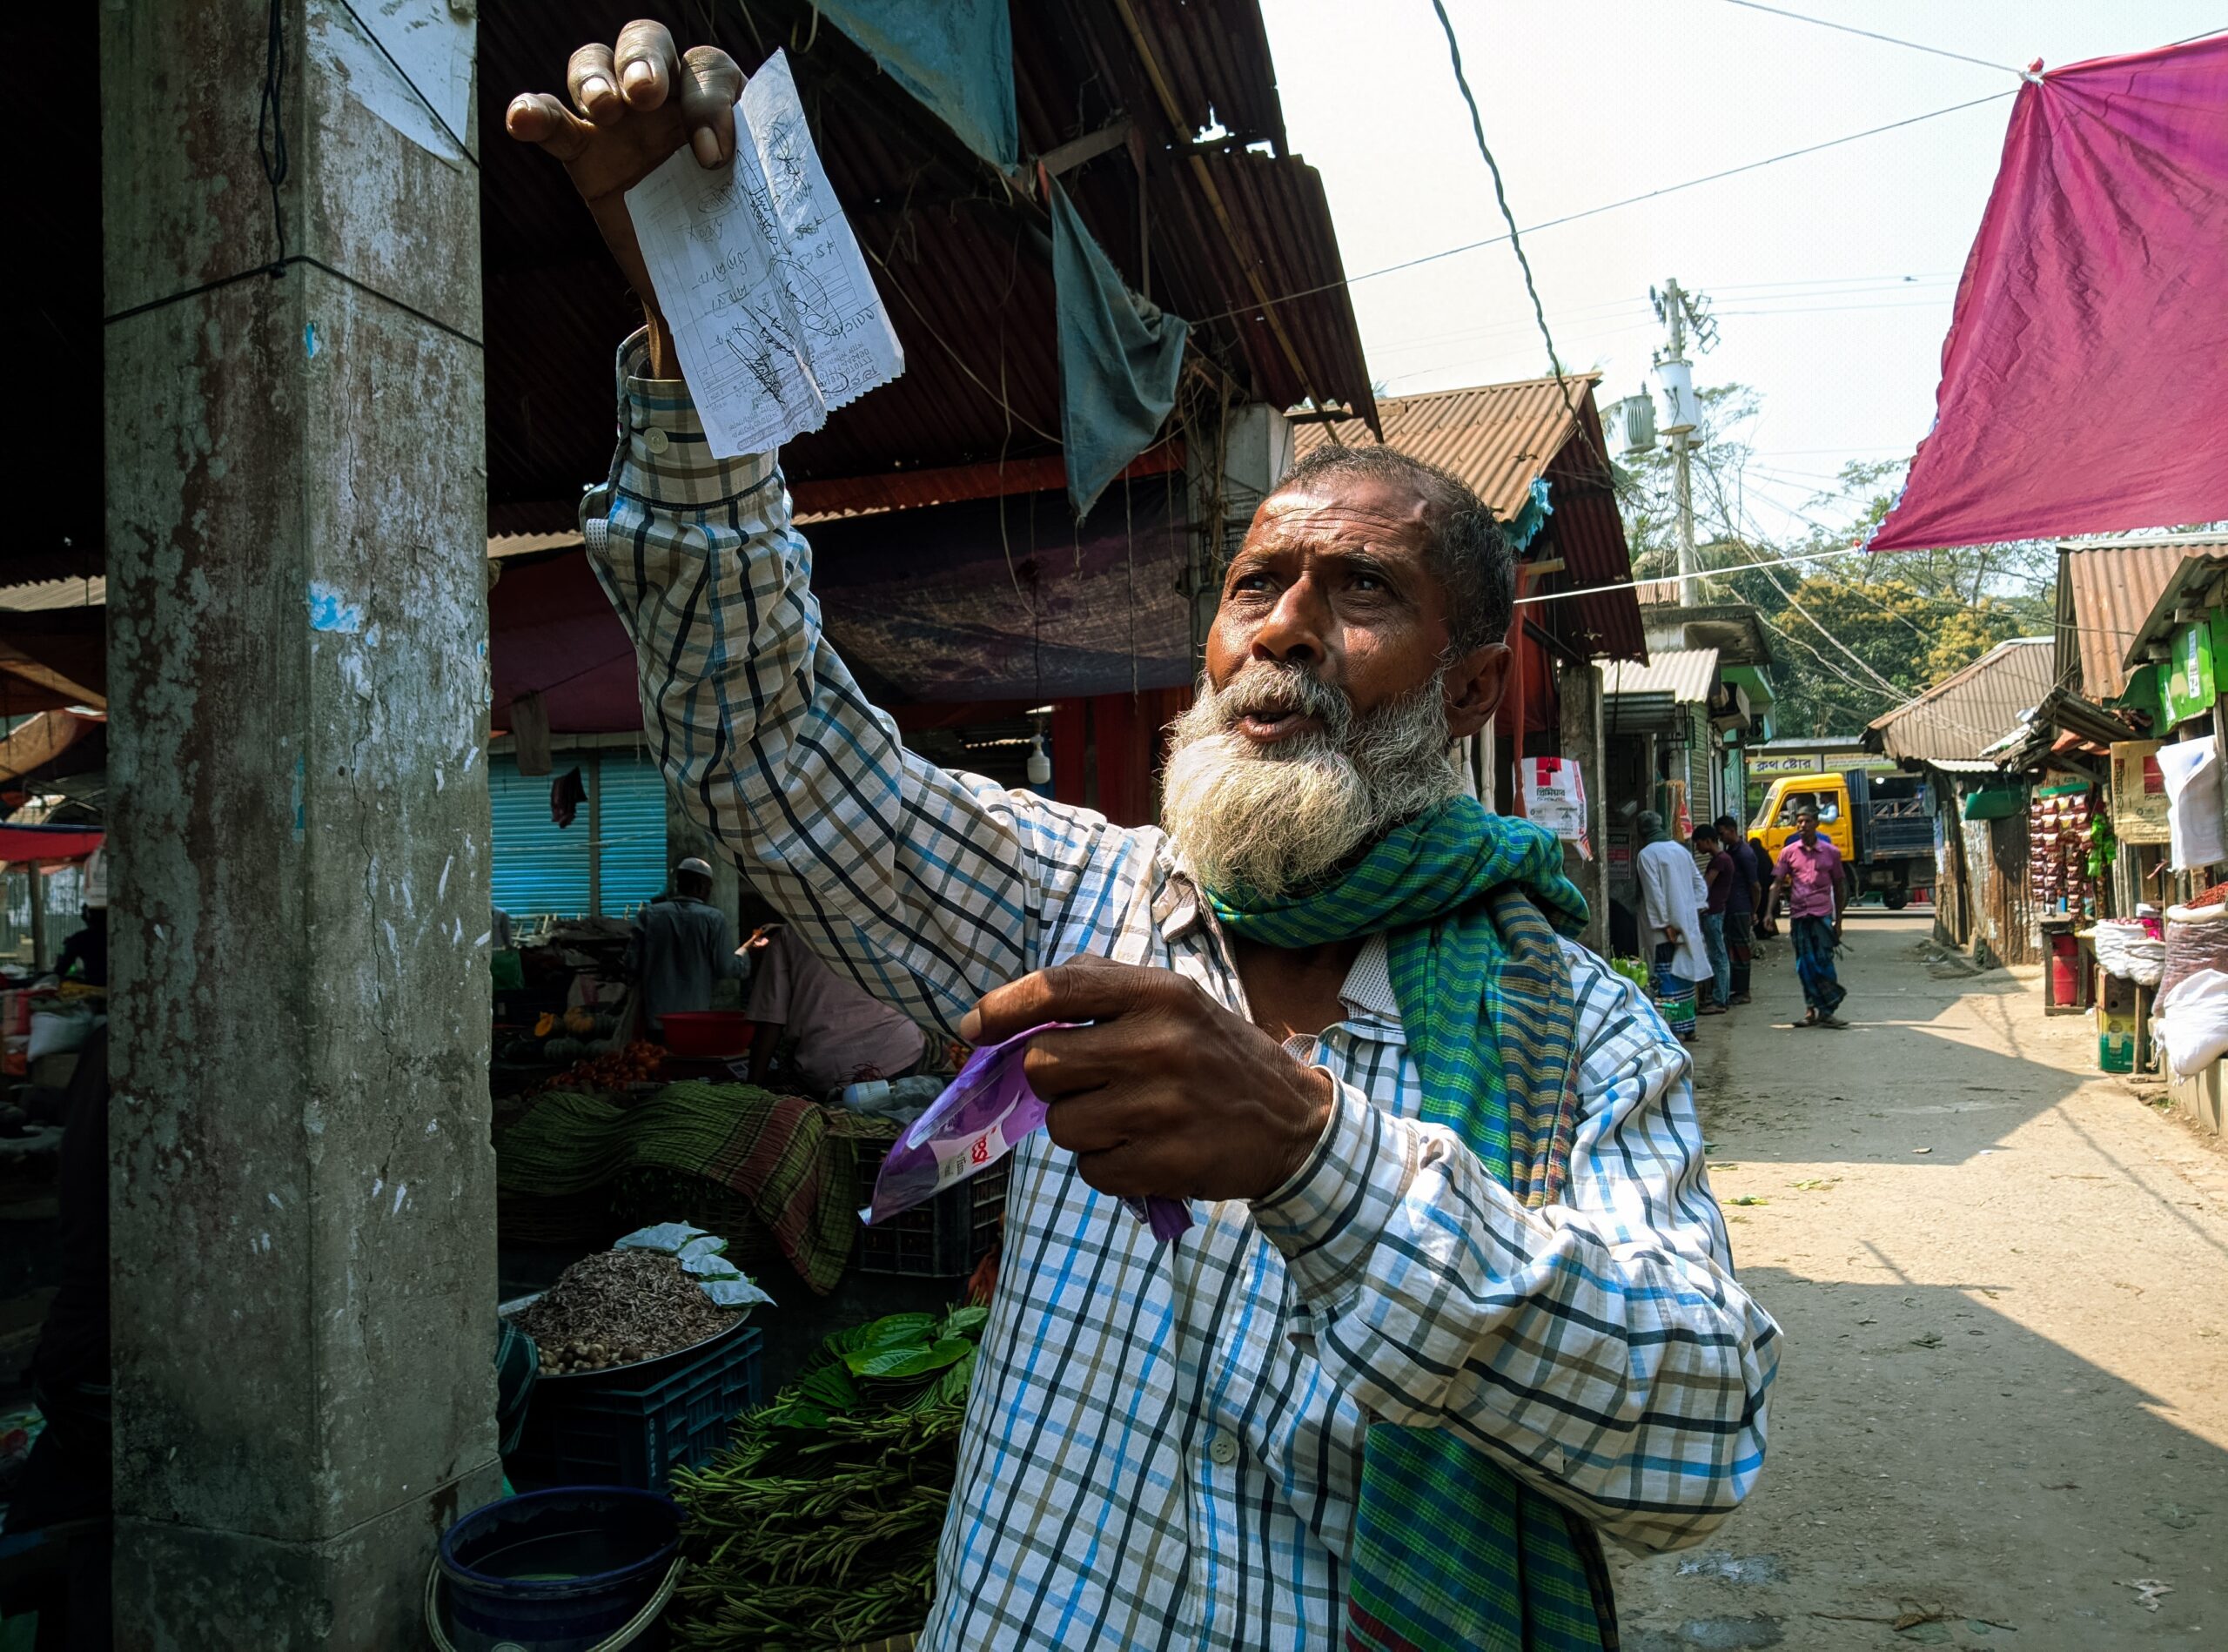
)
(1809, 869)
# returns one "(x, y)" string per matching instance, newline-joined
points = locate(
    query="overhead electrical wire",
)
(1892, 40)
(1626, 584)
(1515, 242)
(1606, 206)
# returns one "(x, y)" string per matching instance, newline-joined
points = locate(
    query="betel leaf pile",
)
(817, 1527)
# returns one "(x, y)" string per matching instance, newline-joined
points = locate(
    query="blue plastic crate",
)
(634, 1426)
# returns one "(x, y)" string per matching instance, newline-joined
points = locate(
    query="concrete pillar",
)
(1580, 691)
(302, 1216)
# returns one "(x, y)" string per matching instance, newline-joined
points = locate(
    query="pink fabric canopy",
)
(2084, 381)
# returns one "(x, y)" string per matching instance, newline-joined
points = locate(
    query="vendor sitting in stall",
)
(836, 1032)
(681, 947)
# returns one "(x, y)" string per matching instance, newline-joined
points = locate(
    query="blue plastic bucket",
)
(562, 1570)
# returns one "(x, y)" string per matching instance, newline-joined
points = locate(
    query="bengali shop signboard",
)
(1770, 765)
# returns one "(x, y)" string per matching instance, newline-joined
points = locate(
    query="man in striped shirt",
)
(1165, 1444)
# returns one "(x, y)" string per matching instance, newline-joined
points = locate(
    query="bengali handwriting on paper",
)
(776, 321)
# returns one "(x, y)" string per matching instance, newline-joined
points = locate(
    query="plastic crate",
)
(634, 1426)
(942, 1239)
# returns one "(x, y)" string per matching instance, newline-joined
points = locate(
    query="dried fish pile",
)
(617, 1308)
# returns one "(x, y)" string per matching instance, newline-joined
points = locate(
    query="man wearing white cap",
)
(682, 946)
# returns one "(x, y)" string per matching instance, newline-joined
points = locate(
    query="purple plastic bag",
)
(975, 1121)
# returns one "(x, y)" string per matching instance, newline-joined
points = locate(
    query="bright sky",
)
(1831, 275)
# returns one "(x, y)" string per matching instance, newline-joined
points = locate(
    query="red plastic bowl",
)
(706, 1032)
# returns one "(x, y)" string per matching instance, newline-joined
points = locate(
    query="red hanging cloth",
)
(2084, 381)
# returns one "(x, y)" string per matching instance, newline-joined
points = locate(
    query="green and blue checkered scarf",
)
(1450, 1550)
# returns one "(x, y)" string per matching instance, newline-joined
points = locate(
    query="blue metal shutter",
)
(536, 870)
(631, 858)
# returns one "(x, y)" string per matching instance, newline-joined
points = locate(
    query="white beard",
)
(1272, 819)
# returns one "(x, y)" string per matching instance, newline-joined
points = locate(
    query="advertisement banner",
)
(2139, 801)
(1554, 797)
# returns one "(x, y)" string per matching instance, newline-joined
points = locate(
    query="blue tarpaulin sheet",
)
(955, 56)
(1119, 359)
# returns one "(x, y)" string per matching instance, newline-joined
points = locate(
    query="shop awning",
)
(1652, 698)
(43, 844)
(1687, 674)
(43, 738)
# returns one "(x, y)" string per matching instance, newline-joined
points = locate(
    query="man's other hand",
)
(1166, 1093)
(632, 105)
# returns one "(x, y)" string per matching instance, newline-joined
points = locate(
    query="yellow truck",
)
(1883, 824)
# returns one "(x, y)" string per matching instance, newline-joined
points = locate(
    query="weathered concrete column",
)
(303, 1225)
(1580, 687)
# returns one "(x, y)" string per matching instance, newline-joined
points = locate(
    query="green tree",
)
(1854, 635)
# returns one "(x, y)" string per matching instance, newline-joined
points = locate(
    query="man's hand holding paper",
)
(633, 104)
(712, 200)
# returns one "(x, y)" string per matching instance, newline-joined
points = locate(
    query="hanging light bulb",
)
(1040, 766)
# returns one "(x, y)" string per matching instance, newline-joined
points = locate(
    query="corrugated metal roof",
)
(1687, 674)
(2194, 581)
(1500, 439)
(2106, 589)
(963, 260)
(1964, 715)
(44, 596)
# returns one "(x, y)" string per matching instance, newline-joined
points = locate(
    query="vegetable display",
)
(637, 1064)
(817, 1528)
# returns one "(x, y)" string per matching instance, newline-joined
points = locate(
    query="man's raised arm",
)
(928, 890)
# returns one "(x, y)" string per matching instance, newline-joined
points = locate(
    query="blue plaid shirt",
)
(1164, 1444)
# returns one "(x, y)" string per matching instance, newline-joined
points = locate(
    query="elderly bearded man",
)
(1459, 1297)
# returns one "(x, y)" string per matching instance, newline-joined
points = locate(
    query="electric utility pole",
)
(1678, 309)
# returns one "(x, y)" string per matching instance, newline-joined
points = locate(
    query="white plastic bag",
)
(2191, 1021)
(56, 1034)
(2191, 771)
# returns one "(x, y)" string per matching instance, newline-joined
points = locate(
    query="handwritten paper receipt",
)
(770, 305)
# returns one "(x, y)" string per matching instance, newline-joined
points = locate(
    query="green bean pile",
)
(570, 1143)
(817, 1528)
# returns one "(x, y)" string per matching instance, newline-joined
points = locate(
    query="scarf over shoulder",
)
(1451, 1551)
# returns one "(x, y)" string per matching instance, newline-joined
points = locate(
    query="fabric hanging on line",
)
(2085, 376)
(567, 793)
(1522, 529)
(955, 57)
(1119, 357)
(530, 734)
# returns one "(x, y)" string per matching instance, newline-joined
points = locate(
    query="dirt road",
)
(2004, 1279)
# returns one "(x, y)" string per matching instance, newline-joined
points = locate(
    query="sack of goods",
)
(2128, 949)
(2189, 1017)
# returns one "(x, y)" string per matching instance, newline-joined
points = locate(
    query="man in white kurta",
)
(1672, 894)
